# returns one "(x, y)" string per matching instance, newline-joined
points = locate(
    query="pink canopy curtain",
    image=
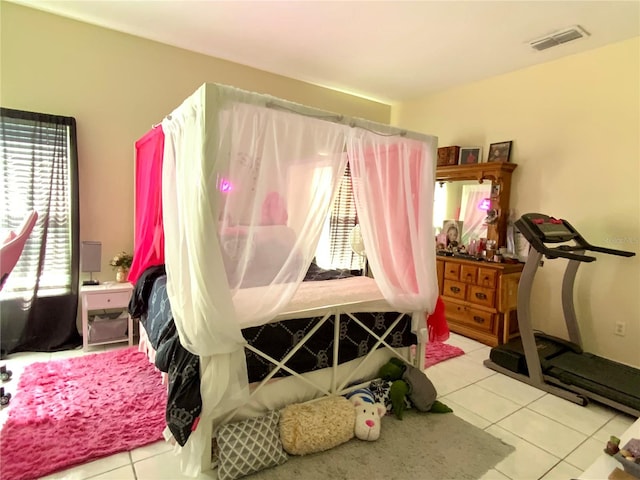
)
(394, 241)
(149, 232)
(393, 182)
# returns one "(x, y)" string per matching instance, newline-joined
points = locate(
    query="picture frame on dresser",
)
(500, 152)
(470, 155)
(452, 230)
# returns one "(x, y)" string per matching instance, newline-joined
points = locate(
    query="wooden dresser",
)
(480, 298)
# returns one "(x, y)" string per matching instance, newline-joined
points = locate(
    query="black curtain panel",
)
(39, 171)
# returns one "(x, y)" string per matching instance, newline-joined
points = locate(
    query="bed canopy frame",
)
(237, 168)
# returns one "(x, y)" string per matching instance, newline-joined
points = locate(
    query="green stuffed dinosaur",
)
(408, 381)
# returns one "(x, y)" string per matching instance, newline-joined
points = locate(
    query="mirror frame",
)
(499, 174)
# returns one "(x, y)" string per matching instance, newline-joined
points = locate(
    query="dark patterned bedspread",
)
(275, 339)
(279, 338)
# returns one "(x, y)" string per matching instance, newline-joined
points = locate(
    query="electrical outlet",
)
(621, 328)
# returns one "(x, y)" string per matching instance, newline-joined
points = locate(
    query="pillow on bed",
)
(271, 247)
(249, 446)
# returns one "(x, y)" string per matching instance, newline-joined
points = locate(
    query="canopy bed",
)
(232, 191)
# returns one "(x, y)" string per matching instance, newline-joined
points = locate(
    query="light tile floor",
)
(554, 439)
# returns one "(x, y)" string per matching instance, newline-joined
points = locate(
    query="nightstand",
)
(102, 298)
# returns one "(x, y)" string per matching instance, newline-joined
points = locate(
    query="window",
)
(38, 172)
(334, 250)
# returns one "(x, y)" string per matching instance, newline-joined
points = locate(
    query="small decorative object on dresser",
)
(448, 155)
(470, 155)
(499, 152)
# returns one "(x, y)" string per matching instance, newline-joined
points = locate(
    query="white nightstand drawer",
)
(97, 301)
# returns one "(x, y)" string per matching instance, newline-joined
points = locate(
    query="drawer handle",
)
(455, 289)
(486, 279)
(478, 319)
(481, 296)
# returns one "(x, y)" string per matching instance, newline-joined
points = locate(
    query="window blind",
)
(334, 249)
(35, 174)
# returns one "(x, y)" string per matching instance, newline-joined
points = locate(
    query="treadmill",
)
(552, 364)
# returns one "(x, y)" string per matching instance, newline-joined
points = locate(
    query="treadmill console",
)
(540, 229)
(547, 229)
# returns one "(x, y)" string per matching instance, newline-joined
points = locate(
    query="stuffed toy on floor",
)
(409, 387)
(368, 414)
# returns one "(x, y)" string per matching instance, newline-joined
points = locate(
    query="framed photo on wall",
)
(470, 155)
(499, 152)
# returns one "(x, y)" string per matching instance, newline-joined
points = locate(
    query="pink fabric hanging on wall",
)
(149, 230)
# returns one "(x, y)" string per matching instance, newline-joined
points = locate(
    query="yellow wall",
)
(575, 124)
(117, 86)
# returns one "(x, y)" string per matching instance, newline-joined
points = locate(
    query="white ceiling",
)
(385, 50)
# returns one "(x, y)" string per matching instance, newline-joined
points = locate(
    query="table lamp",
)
(90, 257)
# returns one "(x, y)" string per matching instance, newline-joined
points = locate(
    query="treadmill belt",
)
(604, 377)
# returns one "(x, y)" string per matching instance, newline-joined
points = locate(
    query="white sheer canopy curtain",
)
(393, 181)
(246, 189)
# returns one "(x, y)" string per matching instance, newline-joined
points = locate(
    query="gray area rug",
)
(422, 446)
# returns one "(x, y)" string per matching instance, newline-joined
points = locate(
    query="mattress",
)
(316, 298)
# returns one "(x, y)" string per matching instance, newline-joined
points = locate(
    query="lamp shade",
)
(90, 256)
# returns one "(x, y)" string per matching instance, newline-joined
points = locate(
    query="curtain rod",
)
(335, 119)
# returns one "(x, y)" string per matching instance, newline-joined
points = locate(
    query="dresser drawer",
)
(481, 296)
(98, 301)
(479, 319)
(451, 270)
(468, 273)
(454, 289)
(476, 319)
(486, 277)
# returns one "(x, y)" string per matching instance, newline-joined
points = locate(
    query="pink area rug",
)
(68, 412)
(439, 352)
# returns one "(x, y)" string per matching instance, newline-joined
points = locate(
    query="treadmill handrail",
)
(558, 252)
(609, 251)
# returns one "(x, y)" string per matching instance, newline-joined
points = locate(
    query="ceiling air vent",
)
(559, 37)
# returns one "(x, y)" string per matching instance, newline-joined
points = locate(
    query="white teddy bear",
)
(368, 414)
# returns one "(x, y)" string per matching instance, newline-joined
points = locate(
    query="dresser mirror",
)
(478, 196)
(465, 200)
